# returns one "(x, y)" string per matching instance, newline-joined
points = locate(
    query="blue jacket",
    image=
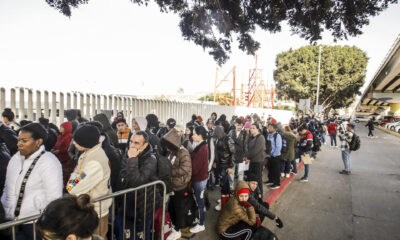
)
(276, 146)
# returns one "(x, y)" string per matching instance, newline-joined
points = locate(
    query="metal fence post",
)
(2, 99)
(68, 101)
(21, 104)
(54, 108)
(46, 104)
(61, 108)
(30, 105)
(38, 105)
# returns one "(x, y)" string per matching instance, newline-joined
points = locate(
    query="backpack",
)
(355, 143)
(284, 144)
(164, 169)
(167, 226)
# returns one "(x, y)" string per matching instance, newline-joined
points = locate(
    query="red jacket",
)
(332, 128)
(200, 162)
(62, 145)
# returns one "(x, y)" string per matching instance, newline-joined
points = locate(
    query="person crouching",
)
(238, 218)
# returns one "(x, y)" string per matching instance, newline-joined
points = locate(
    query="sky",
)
(116, 47)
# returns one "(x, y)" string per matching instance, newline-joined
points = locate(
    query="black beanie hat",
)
(87, 136)
(37, 131)
(251, 177)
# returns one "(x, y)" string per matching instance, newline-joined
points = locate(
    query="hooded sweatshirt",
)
(102, 118)
(233, 212)
(62, 145)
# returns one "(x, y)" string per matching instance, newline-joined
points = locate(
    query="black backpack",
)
(164, 169)
(284, 144)
(355, 143)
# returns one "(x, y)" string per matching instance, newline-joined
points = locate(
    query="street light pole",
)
(319, 69)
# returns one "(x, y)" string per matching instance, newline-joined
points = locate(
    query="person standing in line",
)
(305, 148)
(256, 153)
(332, 126)
(92, 174)
(240, 138)
(199, 158)
(370, 125)
(33, 179)
(275, 160)
(61, 150)
(346, 136)
(288, 159)
(8, 118)
(124, 134)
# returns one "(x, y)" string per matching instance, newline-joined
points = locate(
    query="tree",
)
(342, 74)
(214, 24)
(221, 98)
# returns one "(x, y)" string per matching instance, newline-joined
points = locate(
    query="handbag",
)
(306, 158)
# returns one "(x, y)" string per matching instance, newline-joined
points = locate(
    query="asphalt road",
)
(364, 205)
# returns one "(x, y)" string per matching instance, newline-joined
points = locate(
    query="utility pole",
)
(319, 69)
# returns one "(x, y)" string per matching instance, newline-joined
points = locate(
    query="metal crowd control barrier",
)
(154, 185)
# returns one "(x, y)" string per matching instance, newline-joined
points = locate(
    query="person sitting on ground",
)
(238, 218)
(33, 180)
(92, 174)
(8, 118)
(256, 200)
(69, 218)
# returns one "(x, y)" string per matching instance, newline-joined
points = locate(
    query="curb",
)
(272, 194)
(388, 131)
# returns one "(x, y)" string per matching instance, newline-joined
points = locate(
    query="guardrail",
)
(113, 196)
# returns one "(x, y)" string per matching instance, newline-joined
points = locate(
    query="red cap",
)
(273, 121)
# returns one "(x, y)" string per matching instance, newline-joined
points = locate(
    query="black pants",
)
(274, 172)
(256, 169)
(241, 231)
(370, 133)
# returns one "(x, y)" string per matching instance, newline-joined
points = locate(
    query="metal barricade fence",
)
(154, 185)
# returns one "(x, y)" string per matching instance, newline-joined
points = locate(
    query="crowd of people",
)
(55, 171)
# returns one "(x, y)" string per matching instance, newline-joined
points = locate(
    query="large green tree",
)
(214, 24)
(342, 74)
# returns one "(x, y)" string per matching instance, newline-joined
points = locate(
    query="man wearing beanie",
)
(92, 174)
(164, 130)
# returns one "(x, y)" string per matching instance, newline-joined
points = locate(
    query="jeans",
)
(333, 138)
(198, 191)
(323, 137)
(25, 232)
(306, 166)
(346, 159)
(225, 181)
(294, 164)
(129, 229)
(285, 166)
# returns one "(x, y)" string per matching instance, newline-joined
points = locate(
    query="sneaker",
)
(345, 172)
(287, 175)
(282, 174)
(175, 235)
(275, 186)
(198, 228)
(268, 183)
(219, 200)
(218, 207)
(303, 179)
(294, 173)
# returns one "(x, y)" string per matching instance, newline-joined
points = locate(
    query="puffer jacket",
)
(233, 212)
(255, 199)
(8, 147)
(139, 171)
(224, 149)
(114, 157)
(180, 160)
(92, 176)
(43, 186)
(102, 118)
